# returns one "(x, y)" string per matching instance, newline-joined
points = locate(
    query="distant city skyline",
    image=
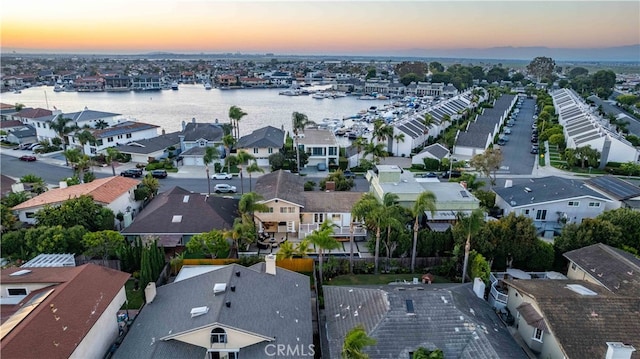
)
(313, 27)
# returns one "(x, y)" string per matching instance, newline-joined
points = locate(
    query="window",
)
(129, 135)
(218, 335)
(318, 217)
(110, 139)
(573, 203)
(16, 291)
(318, 151)
(30, 215)
(594, 204)
(270, 150)
(526, 212)
(573, 266)
(336, 218)
(287, 210)
(541, 214)
(99, 142)
(255, 150)
(119, 137)
(537, 334)
(333, 151)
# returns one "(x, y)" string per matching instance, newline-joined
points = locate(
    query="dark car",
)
(28, 158)
(534, 150)
(348, 174)
(534, 138)
(454, 174)
(133, 172)
(158, 174)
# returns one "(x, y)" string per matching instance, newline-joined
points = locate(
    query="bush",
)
(309, 186)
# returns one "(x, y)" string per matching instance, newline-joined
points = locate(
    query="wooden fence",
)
(292, 264)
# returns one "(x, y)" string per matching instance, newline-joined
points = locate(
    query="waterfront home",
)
(152, 148)
(262, 143)
(117, 83)
(7, 111)
(84, 118)
(320, 145)
(230, 312)
(196, 137)
(146, 83)
(115, 193)
(123, 132)
(176, 215)
(551, 202)
(89, 84)
(62, 312)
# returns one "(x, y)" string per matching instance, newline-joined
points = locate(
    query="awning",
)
(445, 215)
(532, 317)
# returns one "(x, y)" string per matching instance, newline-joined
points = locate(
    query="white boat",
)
(207, 86)
(290, 92)
(366, 97)
(58, 88)
(17, 91)
(174, 85)
(319, 95)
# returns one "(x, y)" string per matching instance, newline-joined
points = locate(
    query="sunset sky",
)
(311, 27)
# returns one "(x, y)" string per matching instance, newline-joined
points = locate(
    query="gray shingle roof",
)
(199, 214)
(208, 131)
(88, 115)
(448, 317)
(330, 202)
(437, 150)
(257, 305)
(262, 138)
(151, 145)
(283, 185)
(546, 189)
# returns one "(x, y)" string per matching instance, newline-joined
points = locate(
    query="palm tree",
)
(72, 156)
(373, 213)
(253, 167)
(84, 137)
(355, 340)
(112, 154)
(376, 150)
(399, 138)
(472, 224)
(381, 131)
(427, 121)
(286, 251)
(240, 234)
(249, 204)
(62, 128)
(101, 124)
(299, 122)
(235, 115)
(229, 161)
(243, 157)
(152, 184)
(426, 201)
(322, 239)
(210, 154)
(359, 144)
(228, 141)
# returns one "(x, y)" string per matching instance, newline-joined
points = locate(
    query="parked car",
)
(133, 172)
(534, 149)
(454, 174)
(28, 158)
(224, 188)
(159, 173)
(534, 138)
(36, 147)
(507, 131)
(222, 176)
(23, 146)
(502, 142)
(348, 174)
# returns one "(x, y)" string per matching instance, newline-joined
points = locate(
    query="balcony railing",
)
(338, 231)
(499, 297)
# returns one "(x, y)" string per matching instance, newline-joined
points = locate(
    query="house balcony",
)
(338, 231)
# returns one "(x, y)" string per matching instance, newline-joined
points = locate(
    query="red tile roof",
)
(56, 327)
(103, 190)
(33, 113)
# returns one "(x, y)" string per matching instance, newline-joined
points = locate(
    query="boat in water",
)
(207, 86)
(174, 85)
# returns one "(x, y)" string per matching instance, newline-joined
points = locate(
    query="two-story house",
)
(551, 202)
(262, 143)
(320, 145)
(196, 137)
(120, 133)
(115, 193)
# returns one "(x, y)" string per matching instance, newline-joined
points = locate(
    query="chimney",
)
(619, 350)
(193, 120)
(63, 184)
(150, 292)
(330, 186)
(270, 267)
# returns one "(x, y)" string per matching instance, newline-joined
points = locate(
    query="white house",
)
(320, 145)
(262, 143)
(115, 193)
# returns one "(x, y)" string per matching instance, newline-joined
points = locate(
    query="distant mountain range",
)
(618, 53)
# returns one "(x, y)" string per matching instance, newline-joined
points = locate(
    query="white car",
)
(224, 188)
(222, 176)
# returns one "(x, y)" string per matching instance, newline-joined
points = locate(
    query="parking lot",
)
(517, 159)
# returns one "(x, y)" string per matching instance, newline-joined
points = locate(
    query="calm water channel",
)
(168, 108)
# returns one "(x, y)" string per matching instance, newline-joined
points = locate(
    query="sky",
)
(311, 27)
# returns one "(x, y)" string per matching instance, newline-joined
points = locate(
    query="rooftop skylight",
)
(578, 288)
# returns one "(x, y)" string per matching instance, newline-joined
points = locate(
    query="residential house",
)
(623, 194)
(231, 312)
(612, 268)
(89, 84)
(150, 149)
(7, 111)
(84, 118)
(176, 215)
(451, 198)
(551, 202)
(582, 127)
(404, 317)
(28, 115)
(63, 312)
(574, 319)
(115, 193)
(146, 83)
(6, 184)
(23, 134)
(436, 152)
(196, 137)
(122, 132)
(262, 143)
(320, 145)
(117, 83)
(334, 206)
(226, 80)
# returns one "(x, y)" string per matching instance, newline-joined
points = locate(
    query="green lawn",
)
(135, 298)
(372, 279)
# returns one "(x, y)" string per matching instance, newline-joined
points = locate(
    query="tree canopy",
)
(77, 211)
(541, 67)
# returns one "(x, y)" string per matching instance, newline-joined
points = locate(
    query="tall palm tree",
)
(235, 115)
(323, 240)
(299, 122)
(72, 156)
(427, 121)
(62, 127)
(240, 234)
(210, 155)
(249, 204)
(229, 161)
(376, 150)
(382, 132)
(243, 158)
(373, 212)
(253, 167)
(359, 144)
(355, 340)
(112, 155)
(471, 224)
(152, 184)
(426, 201)
(84, 137)
(398, 138)
(228, 141)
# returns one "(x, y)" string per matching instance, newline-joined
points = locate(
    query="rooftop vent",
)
(20, 272)
(198, 311)
(527, 189)
(618, 350)
(237, 273)
(219, 288)
(233, 288)
(228, 304)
